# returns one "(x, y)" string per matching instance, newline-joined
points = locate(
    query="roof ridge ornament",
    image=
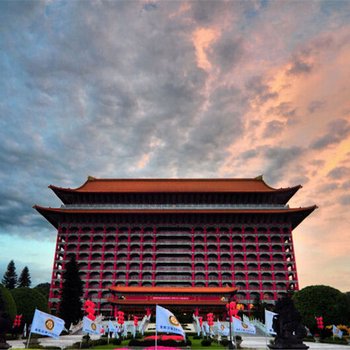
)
(259, 177)
(91, 178)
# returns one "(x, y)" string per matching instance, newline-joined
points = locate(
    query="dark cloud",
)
(346, 185)
(337, 130)
(299, 66)
(328, 187)
(344, 200)
(279, 160)
(227, 52)
(315, 106)
(284, 109)
(207, 12)
(249, 154)
(339, 173)
(259, 91)
(273, 128)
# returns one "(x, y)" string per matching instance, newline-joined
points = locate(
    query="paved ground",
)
(250, 342)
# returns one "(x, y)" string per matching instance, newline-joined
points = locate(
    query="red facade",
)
(176, 233)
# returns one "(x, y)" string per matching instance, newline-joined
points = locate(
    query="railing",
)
(175, 206)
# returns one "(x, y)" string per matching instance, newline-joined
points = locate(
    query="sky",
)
(176, 89)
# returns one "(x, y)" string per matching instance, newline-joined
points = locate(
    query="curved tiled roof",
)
(95, 185)
(53, 215)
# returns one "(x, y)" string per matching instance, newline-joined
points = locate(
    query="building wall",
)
(257, 258)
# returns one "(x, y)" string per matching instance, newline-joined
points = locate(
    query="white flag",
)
(25, 330)
(91, 327)
(269, 321)
(203, 330)
(46, 324)
(222, 329)
(337, 332)
(112, 328)
(243, 327)
(167, 322)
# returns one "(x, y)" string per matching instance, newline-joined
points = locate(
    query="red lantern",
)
(210, 319)
(200, 321)
(319, 321)
(148, 312)
(89, 307)
(17, 321)
(121, 317)
(232, 310)
(136, 321)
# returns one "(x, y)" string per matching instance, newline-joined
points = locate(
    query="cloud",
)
(299, 66)
(345, 200)
(174, 89)
(259, 90)
(339, 173)
(337, 130)
(279, 160)
(315, 106)
(273, 128)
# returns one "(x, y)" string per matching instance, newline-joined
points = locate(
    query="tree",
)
(24, 279)
(10, 277)
(27, 301)
(258, 309)
(72, 291)
(7, 303)
(44, 289)
(323, 301)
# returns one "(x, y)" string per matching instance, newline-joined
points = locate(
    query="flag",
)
(337, 332)
(112, 328)
(90, 326)
(243, 327)
(222, 329)
(46, 324)
(125, 330)
(269, 321)
(167, 322)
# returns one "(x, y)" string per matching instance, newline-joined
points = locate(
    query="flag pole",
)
(28, 340)
(233, 334)
(156, 343)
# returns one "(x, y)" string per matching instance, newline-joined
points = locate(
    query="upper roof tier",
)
(123, 190)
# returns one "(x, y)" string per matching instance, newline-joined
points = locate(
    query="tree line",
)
(10, 280)
(16, 296)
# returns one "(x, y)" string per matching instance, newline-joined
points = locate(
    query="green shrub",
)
(7, 302)
(224, 342)
(206, 342)
(27, 300)
(99, 342)
(116, 341)
(336, 340)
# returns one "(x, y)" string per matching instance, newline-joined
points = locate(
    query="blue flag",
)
(46, 324)
(166, 322)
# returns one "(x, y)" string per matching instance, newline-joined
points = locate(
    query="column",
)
(192, 257)
(206, 257)
(141, 256)
(219, 255)
(154, 257)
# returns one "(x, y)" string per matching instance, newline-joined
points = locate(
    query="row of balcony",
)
(243, 288)
(224, 257)
(236, 267)
(178, 242)
(238, 276)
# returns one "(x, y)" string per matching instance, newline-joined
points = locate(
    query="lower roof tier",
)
(171, 295)
(292, 216)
